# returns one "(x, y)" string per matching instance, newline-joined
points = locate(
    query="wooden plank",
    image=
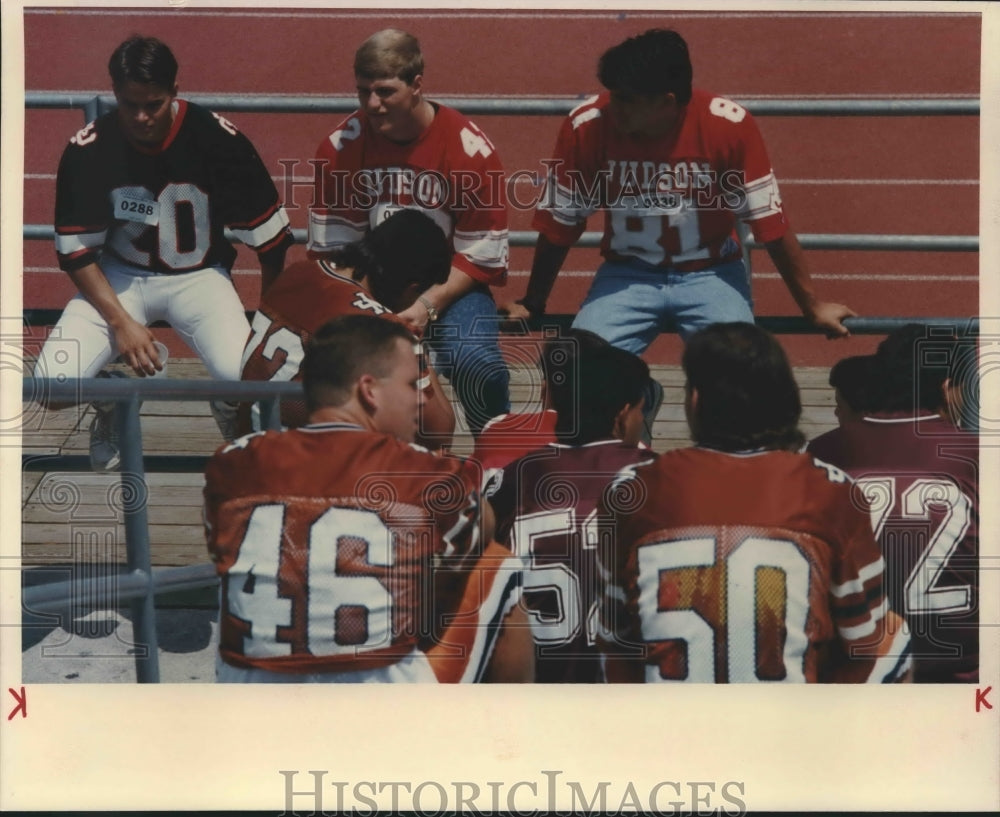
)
(161, 555)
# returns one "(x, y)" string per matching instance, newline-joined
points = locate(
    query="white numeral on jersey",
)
(225, 124)
(922, 593)
(348, 133)
(554, 578)
(253, 593)
(727, 109)
(684, 625)
(252, 585)
(739, 616)
(645, 243)
(183, 210)
(329, 591)
(476, 142)
(85, 135)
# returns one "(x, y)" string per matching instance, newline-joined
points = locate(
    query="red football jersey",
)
(509, 436)
(921, 477)
(324, 538)
(670, 202)
(305, 296)
(734, 568)
(546, 510)
(451, 172)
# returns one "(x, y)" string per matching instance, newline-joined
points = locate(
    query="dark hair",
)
(747, 395)
(589, 382)
(854, 378)
(344, 349)
(407, 248)
(912, 364)
(655, 62)
(143, 59)
(388, 54)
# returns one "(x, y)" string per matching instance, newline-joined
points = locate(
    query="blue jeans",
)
(630, 304)
(465, 349)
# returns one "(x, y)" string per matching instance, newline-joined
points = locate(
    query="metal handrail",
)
(814, 241)
(521, 105)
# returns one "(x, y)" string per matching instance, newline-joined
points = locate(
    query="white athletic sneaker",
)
(104, 452)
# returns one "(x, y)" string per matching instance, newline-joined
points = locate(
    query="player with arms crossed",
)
(546, 502)
(920, 473)
(741, 559)
(143, 196)
(381, 274)
(401, 150)
(327, 537)
(673, 168)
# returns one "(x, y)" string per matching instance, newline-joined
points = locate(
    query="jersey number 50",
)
(740, 617)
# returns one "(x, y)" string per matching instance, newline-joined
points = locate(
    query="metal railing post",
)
(135, 494)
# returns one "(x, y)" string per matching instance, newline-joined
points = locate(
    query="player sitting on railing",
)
(143, 197)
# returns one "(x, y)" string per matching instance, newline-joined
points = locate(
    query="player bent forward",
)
(329, 538)
(143, 197)
(382, 274)
(740, 559)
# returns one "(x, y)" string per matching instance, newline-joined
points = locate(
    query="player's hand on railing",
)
(829, 316)
(137, 348)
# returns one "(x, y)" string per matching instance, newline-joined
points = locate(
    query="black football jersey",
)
(165, 209)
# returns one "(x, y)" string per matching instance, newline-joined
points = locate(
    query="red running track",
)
(880, 175)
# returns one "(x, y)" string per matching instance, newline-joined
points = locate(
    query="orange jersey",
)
(305, 296)
(324, 538)
(507, 437)
(744, 567)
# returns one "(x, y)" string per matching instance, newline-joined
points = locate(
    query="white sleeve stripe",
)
(849, 588)
(865, 628)
(487, 249)
(895, 663)
(590, 100)
(263, 233)
(503, 596)
(762, 198)
(593, 113)
(67, 244)
(568, 205)
(330, 232)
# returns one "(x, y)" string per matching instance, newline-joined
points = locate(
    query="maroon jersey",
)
(451, 172)
(670, 202)
(748, 567)
(324, 538)
(165, 209)
(921, 478)
(546, 509)
(305, 296)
